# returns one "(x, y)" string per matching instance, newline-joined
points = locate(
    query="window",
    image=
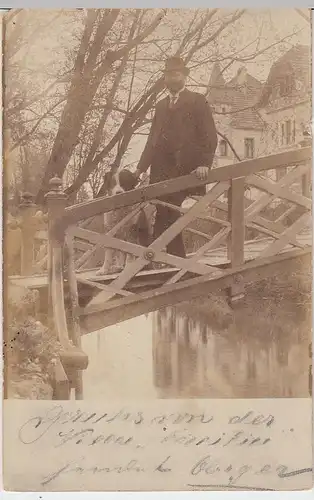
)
(288, 132)
(249, 147)
(286, 85)
(223, 147)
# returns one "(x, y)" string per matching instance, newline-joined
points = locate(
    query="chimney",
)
(216, 78)
(242, 75)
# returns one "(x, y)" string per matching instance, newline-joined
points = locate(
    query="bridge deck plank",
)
(215, 257)
(101, 315)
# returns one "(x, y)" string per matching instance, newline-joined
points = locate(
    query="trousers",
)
(165, 217)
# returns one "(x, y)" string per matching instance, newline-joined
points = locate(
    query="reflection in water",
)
(170, 354)
(191, 360)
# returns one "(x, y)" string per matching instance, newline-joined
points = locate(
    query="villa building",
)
(256, 119)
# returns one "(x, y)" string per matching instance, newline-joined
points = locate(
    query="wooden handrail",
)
(75, 330)
(73, 359)
(81, 211)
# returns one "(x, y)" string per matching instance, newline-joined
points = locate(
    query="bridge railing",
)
(29, 232)
(279, 212)
(85, 210)
(278, 208)
(29, 251)
(66, 326)
(238, 176)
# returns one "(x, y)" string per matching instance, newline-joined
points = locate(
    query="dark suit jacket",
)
(195, 135)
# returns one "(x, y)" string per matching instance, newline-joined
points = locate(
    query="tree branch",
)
(299, 11)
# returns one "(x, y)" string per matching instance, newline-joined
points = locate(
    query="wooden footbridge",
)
(258, 219)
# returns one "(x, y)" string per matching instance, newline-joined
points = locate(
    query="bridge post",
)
(56, 203)
(237, 234)
(28, 231)
(56, 200)
(75, 330)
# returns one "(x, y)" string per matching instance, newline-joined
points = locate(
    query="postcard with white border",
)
(157, 246)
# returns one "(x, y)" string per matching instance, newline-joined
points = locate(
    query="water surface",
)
(169, 354)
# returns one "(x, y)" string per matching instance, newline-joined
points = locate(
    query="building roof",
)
(251, 80)
(245, 91)
(241, 92)
(296, 61)
(247, 119)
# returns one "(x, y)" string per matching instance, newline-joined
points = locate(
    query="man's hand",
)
(202, 173)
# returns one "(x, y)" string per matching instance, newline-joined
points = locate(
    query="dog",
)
(138, 230)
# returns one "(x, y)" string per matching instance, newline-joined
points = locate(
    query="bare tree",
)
(103, 95)
(202, 30)
(93, 62)
(21, 36)
(29, 102)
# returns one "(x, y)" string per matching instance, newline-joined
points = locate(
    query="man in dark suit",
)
(182, 139)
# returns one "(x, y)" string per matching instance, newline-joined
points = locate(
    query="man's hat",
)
(176, 64)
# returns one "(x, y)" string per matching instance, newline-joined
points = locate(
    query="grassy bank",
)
(30, 348)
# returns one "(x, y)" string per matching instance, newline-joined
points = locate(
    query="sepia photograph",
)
(157, 203)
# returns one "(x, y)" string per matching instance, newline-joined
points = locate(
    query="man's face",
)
(174, 80)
